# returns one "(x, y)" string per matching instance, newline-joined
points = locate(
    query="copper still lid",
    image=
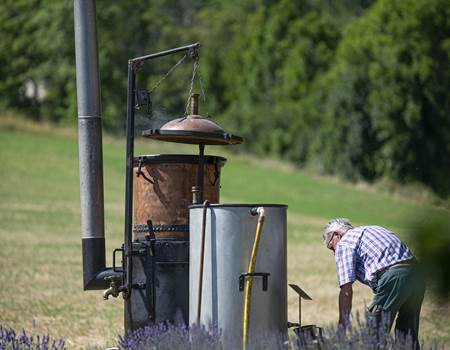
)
(193, 129)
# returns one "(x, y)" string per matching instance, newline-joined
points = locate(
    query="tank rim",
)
(176, 158)
(229, 205)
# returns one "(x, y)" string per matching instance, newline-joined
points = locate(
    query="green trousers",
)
(399, 293)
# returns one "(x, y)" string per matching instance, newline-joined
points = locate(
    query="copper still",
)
(163, 192)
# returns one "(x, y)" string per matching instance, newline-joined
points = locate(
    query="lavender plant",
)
(166, 336)
(11, 340)
(363, 334)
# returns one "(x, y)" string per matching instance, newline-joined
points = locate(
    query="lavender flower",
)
(361, 335)
(166, 336)
(9, 339)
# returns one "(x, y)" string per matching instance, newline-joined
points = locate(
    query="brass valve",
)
(114, 287)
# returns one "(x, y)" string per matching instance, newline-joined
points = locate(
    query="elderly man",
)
(375, 256)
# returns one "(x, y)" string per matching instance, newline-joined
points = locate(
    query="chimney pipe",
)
(90, 146)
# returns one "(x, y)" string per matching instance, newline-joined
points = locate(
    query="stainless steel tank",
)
(229, 237)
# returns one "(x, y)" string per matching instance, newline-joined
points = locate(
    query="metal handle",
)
(264, 275)
(139, 172)
(202, 259)
(216, 175)
(114, 260)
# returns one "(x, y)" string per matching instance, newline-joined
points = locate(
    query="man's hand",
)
(345, 304)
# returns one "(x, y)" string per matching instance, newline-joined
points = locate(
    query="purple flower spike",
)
(9, 339)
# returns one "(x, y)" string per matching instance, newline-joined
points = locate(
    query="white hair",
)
(335, 225)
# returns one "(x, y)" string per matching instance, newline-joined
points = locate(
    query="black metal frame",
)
(133, 65)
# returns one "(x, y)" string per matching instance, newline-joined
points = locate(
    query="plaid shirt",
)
(365, 250)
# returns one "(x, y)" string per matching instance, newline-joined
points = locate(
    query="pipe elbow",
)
(261, 214)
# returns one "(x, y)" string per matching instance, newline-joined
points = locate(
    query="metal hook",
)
(216, 175)
(193, 53)
(139, 172)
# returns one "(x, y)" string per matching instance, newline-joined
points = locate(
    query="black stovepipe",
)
(133, 65)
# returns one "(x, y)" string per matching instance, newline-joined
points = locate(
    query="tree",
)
(19, 52)
(387, 108)
(272, 64)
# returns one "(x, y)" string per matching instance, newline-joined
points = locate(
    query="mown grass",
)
(40, 253)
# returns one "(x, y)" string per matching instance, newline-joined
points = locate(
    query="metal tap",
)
(114, 287)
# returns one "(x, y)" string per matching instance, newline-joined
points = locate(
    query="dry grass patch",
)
(40, 257)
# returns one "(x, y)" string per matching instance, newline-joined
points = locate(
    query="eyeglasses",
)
(329, 246)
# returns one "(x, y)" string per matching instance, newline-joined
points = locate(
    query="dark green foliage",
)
(432, 241)
(271, 69)
(356, 87)
(387, 107)
(18, 52)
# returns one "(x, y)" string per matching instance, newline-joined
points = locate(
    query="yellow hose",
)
(249, 279)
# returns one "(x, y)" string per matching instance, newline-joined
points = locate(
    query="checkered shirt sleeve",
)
(345, 264)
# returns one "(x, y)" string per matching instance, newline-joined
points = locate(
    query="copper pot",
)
(163, 191)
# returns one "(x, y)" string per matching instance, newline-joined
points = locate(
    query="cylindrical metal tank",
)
(229, 237)
(163, 191)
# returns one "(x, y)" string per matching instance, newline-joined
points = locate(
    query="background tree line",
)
(358, 88)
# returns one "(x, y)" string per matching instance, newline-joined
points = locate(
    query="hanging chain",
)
(202, 89)
(196, 70)
(168, 73)
(191, 86)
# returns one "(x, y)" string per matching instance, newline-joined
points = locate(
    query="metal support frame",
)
(301, 295)
(133, 65)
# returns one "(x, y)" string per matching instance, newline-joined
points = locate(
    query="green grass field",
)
(40, 253)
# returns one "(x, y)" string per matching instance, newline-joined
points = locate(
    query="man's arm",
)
(345, 304)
